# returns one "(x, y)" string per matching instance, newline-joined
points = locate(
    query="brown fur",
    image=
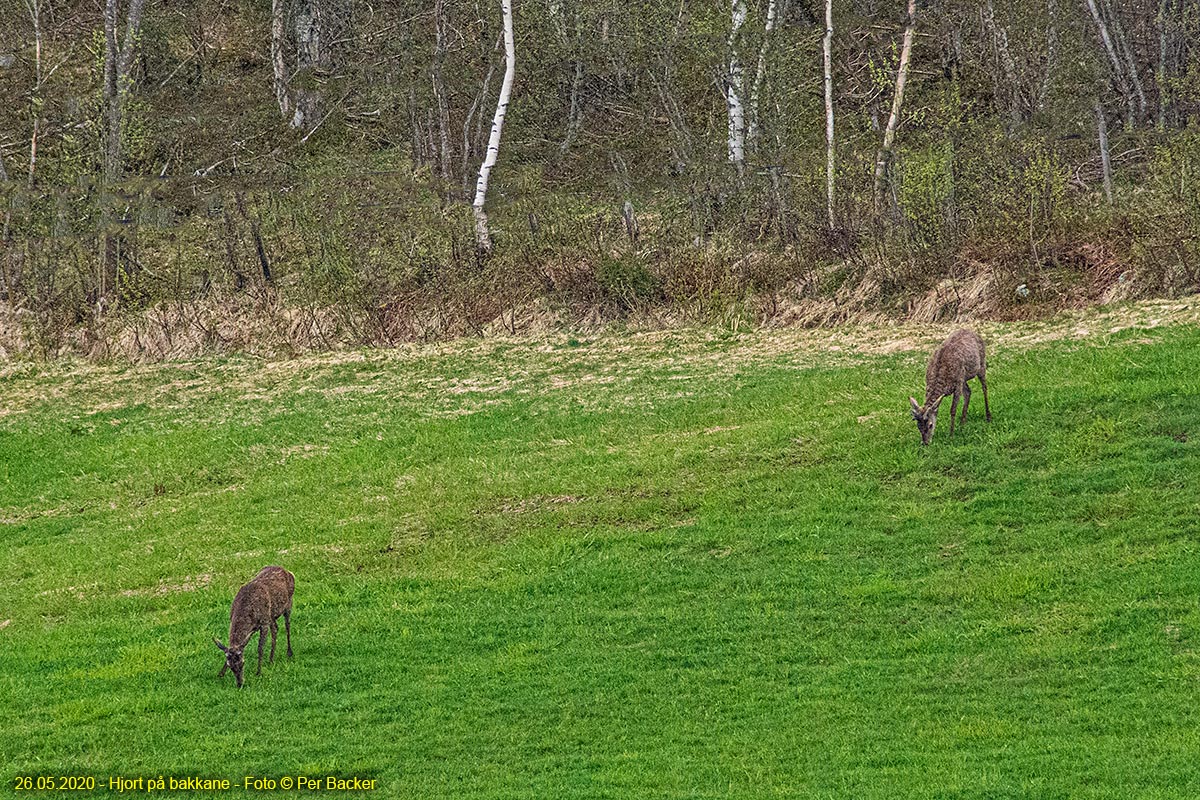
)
(957, 360)
(256, 608)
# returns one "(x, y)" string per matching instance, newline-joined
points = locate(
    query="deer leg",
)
(287, 626)
(261, 631)
(983, 383)
(966, 402)
(274, 632)
(224, 669)
(953, 409)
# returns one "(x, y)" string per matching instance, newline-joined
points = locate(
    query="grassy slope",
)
(668, 569)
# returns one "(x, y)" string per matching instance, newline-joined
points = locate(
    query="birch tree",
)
(830, 152)
(884, 158)
(734, 89)
(482, 234)
(278, 64)
(1105, 160)
(440, 24)
(35, 98)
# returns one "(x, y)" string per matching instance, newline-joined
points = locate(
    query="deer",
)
(256, 607)
(957, 360)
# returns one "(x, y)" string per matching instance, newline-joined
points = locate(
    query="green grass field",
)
(671, 565)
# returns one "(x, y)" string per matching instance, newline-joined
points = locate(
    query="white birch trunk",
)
(282, 95)
(889, 133)
(1105, 161)
(752, 132)
(734, 91)
(440, 23)
(107, 278)
(830, 152)
(35, 99)
(482, 234)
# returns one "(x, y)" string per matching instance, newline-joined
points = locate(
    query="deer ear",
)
(916, 409)
(218, 644)
(933, 406)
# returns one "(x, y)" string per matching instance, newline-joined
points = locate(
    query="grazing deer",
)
(256, 607)
(957, 360)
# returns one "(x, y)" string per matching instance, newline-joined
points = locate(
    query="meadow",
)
(676, 564)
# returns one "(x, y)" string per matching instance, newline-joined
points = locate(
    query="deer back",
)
(251, 611)
(280, 584)
(959, 358)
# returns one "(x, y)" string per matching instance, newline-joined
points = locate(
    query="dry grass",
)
(262, 323)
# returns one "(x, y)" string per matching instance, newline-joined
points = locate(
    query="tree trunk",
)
(752, 134)
(1051, 53)
(734, 90)
(118, 66)
(118, 69)
(107, 279)
(439, 89)
(574, 114)
(309, 58)
(133, 25)
(278, 64)
(889, 133)
(1105, 162)
(482, 234)
(681, 147)
(1164, 90)
(1000, 35)
(1111, 50)
(109, 91)
(830, 152)
(35, 98)
(1123, 45)
(575, 105)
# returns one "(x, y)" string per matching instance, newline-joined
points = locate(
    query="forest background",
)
(186, 176)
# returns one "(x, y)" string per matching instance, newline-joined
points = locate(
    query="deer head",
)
(926, 418)
(233, 660)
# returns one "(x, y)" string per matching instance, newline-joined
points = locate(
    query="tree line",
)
(347, 152)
